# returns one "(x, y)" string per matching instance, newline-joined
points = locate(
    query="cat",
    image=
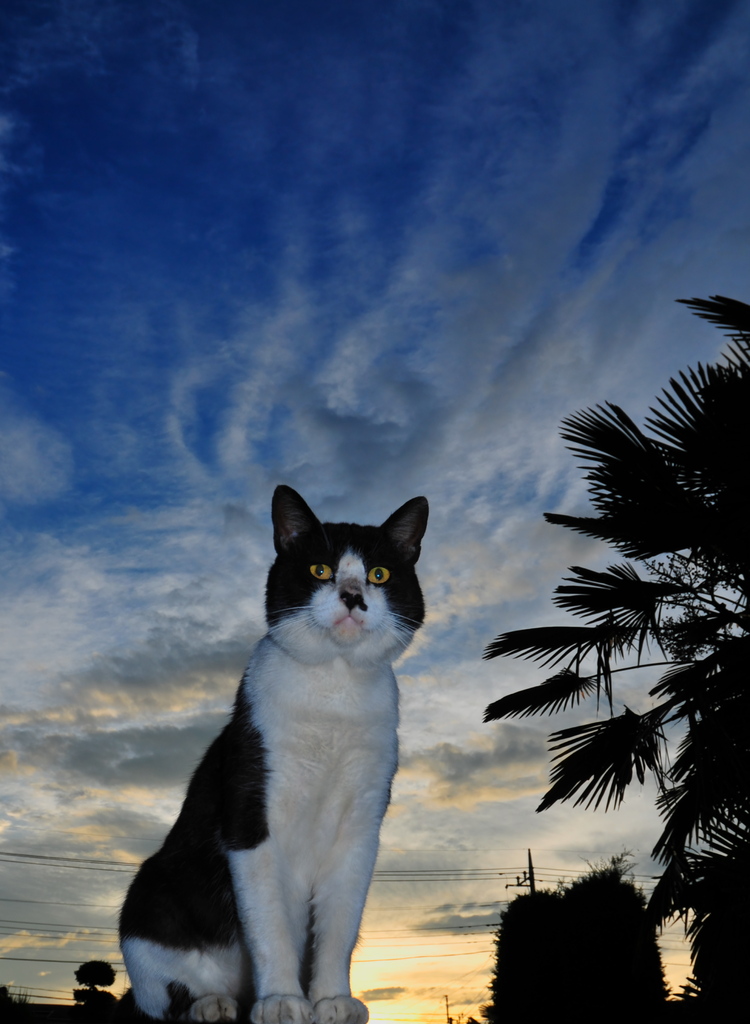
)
(254, 901)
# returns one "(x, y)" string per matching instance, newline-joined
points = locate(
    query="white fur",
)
(330, 734)
(152, 967)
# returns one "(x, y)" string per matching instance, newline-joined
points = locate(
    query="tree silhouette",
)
(92, 1004)
(94, 973)
(674, 498)
(14, 1009)
(587, 950)
(529, 945)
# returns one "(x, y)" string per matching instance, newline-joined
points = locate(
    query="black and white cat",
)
(254, 901)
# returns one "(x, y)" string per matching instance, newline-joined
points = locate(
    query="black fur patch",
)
(183, 896)
(180, 1001)
(127, 1011)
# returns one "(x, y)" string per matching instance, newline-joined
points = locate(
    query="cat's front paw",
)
(341, 1010)
(213, 1008)
(282, 1010)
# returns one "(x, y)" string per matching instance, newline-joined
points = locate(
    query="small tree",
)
(675, 499)
(91, 1003)
(586, 950)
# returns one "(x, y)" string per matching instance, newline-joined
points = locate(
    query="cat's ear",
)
(406, 527)
(292, 518)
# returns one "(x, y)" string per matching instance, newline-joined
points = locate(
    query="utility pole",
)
(527, 879)
(532, 886)
(448, 1018)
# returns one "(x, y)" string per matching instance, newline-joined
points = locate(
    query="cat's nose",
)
(351, 600)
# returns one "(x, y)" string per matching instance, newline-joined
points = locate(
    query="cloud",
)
(135, 722)
(462, 922)
(35, 460)
(9, 762)
(510, 764)
(181, 665)
(374, 995)
(139, 757)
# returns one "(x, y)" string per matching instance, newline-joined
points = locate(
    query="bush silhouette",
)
(587, 950)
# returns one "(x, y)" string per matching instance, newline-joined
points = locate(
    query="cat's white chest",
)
(330, 739)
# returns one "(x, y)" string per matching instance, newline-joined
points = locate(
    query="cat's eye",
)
(322, 572)
(378, 574)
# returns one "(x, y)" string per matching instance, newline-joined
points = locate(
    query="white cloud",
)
(35, 460)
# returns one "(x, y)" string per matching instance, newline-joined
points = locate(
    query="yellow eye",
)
(322, 572)
(378, 574)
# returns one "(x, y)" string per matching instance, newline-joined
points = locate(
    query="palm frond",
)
(680, 680)
(720, 677)
(551, 644)
(670, 892)
(717, 893)
(731, 839)
(716, 749)
(692, 413)
(607, 432)
(640, 530)
(722, 311)
(711, 778)
(681, 807)
(627, 461)
(618, 595)
(701, 418)
(636, 485)
(555, 694)
(597, 761)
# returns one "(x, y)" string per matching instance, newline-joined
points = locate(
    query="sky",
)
(370, 251)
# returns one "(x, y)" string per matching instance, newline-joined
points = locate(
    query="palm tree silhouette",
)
(675, 498)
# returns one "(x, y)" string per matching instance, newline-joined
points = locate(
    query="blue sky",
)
(370, 251)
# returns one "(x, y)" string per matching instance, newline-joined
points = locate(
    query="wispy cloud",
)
(35, 459)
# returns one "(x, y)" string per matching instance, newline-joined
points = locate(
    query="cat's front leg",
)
(338, 903)
(275, 919)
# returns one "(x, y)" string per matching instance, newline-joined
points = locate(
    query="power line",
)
(52, 924)
(60, 860)
(92, 835)
(41, 993)
(424, 956)
(453, 874)
(55, 856)
(49, 960)
(58, 903)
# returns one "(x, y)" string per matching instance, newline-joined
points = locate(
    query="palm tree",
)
(674, 498)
